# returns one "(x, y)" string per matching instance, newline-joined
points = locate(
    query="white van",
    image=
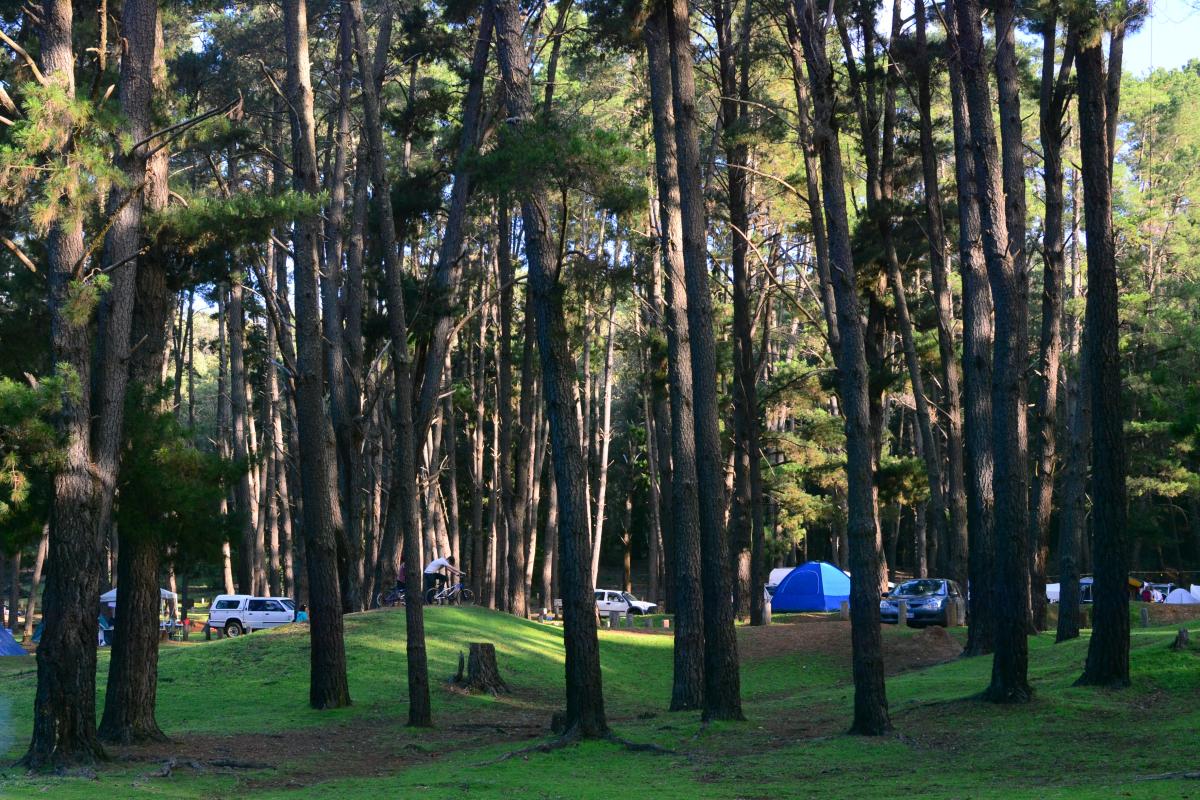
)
(241, 613)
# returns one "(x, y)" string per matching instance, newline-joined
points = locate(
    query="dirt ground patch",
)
(362, 748)
(927, 647)
(1163, 613)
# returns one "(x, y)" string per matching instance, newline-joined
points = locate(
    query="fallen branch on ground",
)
(1170, 776)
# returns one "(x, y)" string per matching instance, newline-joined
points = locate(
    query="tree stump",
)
(1181, 640)
(482, 673)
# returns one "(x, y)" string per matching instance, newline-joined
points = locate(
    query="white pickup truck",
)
(241, 613)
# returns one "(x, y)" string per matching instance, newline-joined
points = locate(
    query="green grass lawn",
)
(244, 701)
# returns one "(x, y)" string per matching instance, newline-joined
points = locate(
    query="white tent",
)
(777, 575)
(1181, 597)
(111, 595)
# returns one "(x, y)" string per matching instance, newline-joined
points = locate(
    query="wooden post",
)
(666, 623)
(902, 613)
(951, 613)
(845, 609)
(766, 618)
(1145, 617)
(614, 619)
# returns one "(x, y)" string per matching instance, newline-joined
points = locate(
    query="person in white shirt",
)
(434, 579)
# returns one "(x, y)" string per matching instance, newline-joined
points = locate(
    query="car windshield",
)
(629, 598)
(920, 588)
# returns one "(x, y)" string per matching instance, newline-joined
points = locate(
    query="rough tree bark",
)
(870, 698)
(404, 513)
(346, 430)
(1108, 651)
(64, 709)
(1052, 104)
(722, 680)
(746, 527)
(131, 697)
(328, 687)
(585, 701)
(977, 369)
(952, 555)
(687, 691)
(1010, 485)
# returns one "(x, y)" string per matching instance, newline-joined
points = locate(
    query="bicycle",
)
(453, 594)
(392, 597)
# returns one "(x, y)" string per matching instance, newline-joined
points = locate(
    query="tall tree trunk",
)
(924, 424)
(585, 700)
(746, 517)
(977, 371)
(1012, 151)
(347, 439)
(870, 698)
(515, 602)
(812, 171)
(1072, 512)
(64, 726)
(952, 554)
(328, 687)
(35, 582)
(1052, 106)
(404, 514)
(1108, 651)
(687, 690)
(448, 272)
(1010, 349)
(14, 591)
(605, 434)
(722, 682)
(131, 697)
(237, 396)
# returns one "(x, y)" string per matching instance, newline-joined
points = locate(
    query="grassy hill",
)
(237, 712)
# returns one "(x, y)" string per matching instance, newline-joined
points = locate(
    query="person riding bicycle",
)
(434, 579)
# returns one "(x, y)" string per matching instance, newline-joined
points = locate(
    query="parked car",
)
(608, 600)
(241, 613)
(927, 600)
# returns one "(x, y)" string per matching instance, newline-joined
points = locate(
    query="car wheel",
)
(234, 629)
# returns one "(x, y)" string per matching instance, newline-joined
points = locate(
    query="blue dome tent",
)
(9, 646)
(813, 586)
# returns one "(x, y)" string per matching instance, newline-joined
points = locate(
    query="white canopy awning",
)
(111, 595)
